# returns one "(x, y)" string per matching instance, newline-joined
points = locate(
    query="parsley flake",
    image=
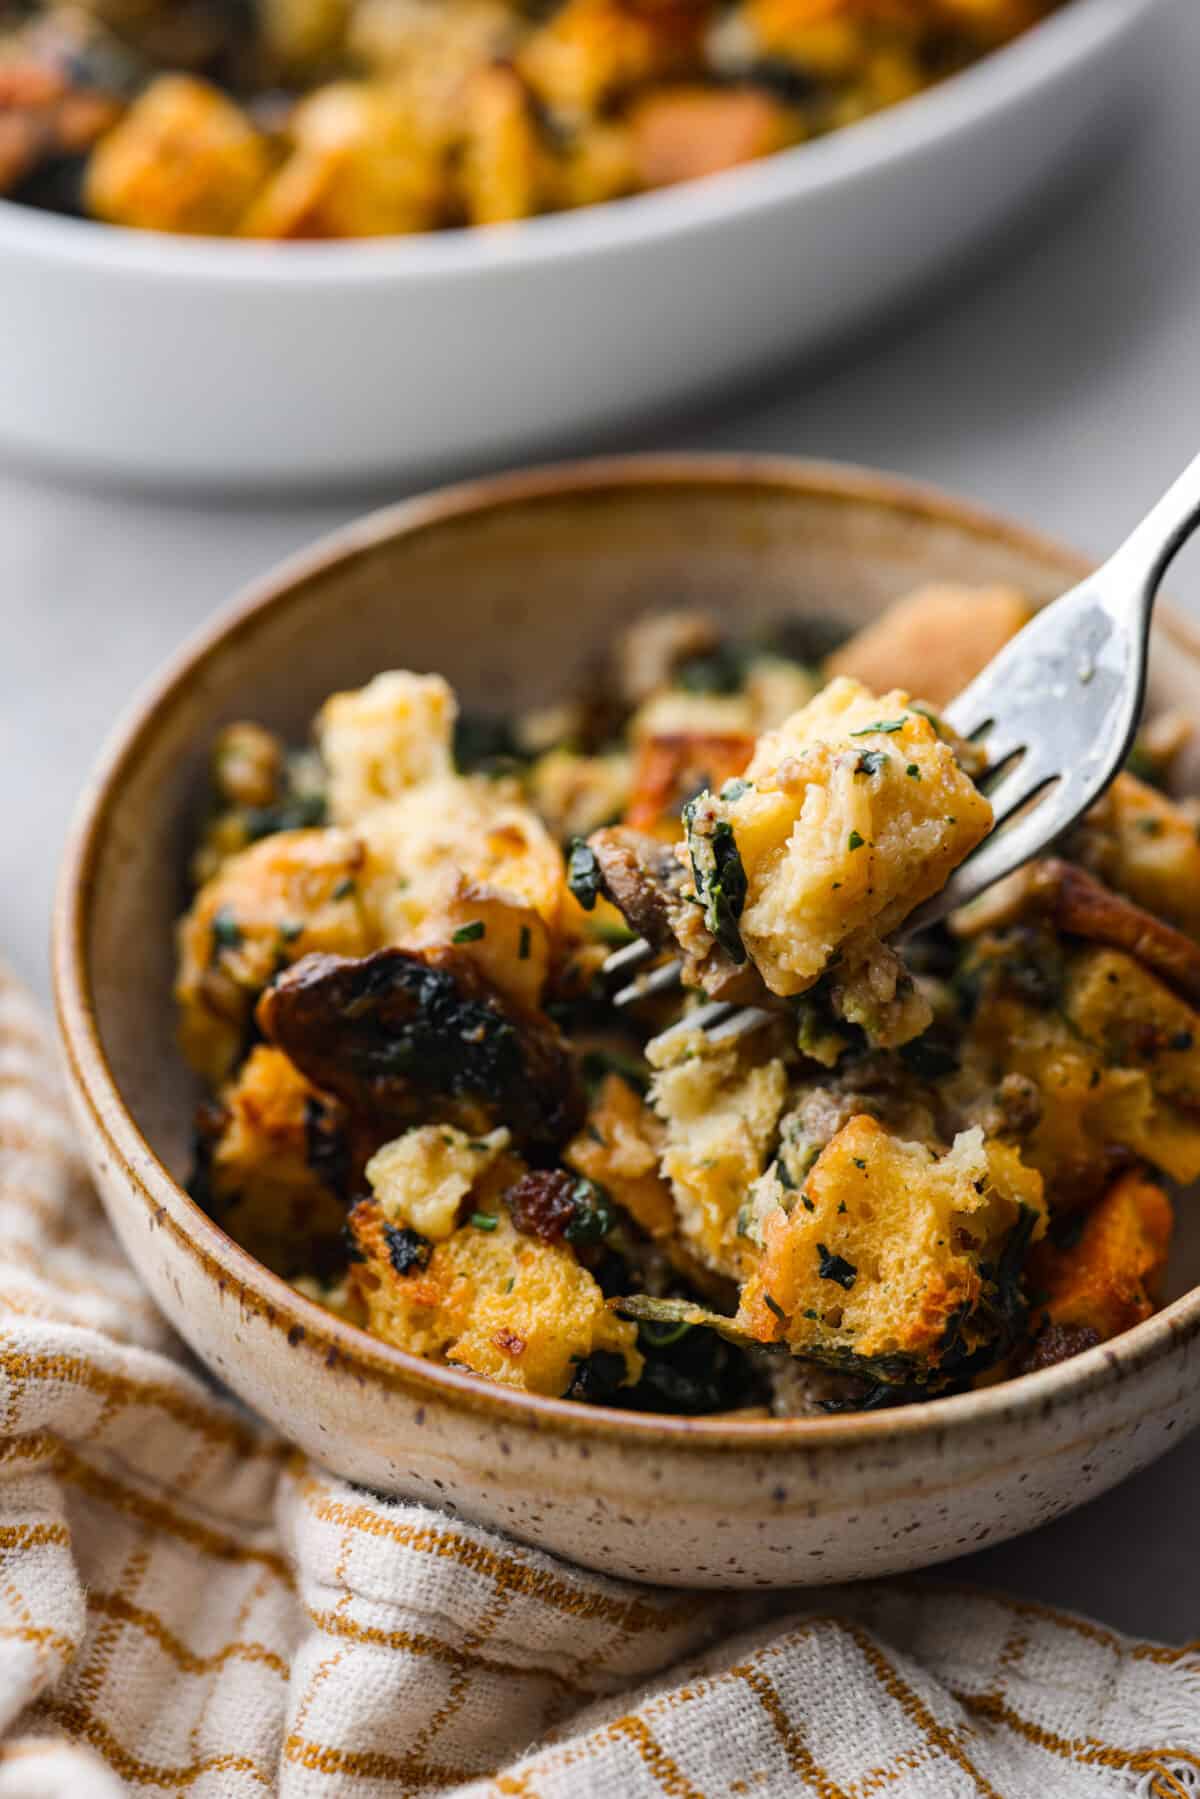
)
(835, 1268)
(885, 725)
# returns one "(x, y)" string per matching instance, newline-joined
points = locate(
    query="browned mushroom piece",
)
(392, 1032)
(645, 880)
(642, 876)
(1081, 906)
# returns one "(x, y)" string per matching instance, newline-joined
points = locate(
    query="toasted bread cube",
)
(507, 1306)
(1111, 1278)
(618, 1148)
(589, 50)
(1095, 1112)
(1119, 1007)
(269, 1162)
(184, 158)
(361, 166)
(672, 767)
(721, 1105)
(891, 1251)
(574, 795)
(934, 641)
(420, 845)
(384, 738)
(505, 937)
(420, 1179)
(503, 170)
(849, 815)
(294, 894)
(1141, 843)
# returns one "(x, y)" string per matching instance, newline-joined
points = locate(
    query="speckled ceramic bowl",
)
(506, 586)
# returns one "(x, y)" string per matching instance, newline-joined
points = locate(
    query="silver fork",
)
(1056, 712)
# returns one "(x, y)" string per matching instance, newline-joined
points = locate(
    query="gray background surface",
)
(1060, 384)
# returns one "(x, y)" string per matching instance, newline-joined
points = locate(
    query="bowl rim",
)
(310, 1324)
(1014, 72)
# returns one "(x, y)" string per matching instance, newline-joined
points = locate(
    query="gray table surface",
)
(1061, 385)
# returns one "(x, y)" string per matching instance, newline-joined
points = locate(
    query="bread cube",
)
(361, 166)
(1135, 1021)
(382, 739)
(618, 1148)
(935, 640)
(421, 1178)
(721, 1104)
(292, 894)
(420, 845)
(184, 158)
(1098, 1052)
(487, 1298)
(848, 816)
(272, 1163)
(1140, 842)
(1111, 1277)
(890, 1254)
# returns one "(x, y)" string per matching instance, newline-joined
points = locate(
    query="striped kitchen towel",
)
(189, 1606)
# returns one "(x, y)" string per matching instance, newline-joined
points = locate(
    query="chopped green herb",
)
(300, 812)
(659, 1336)
(835, 1268)
(886, 725)
(775, 1307)
(345, 888)
(227, 932)
(720, 880)
(407, 1249)
(583, 874)
(290, 929)
(470, 933)
(807, 1203)
(841, 1205)
(913, 772)
(603, 930)
(484, 1221)
(854, 841)
(784, 1176)
(733, 790)
(1150, 827)
(870, 762)
(523, 944)
(858, 1161)
(593, 1213)
(717, 671)
(597, 1063)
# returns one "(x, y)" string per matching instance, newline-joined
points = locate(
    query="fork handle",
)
(1143, 559)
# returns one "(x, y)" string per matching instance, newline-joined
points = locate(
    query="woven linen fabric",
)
(189, 1606)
